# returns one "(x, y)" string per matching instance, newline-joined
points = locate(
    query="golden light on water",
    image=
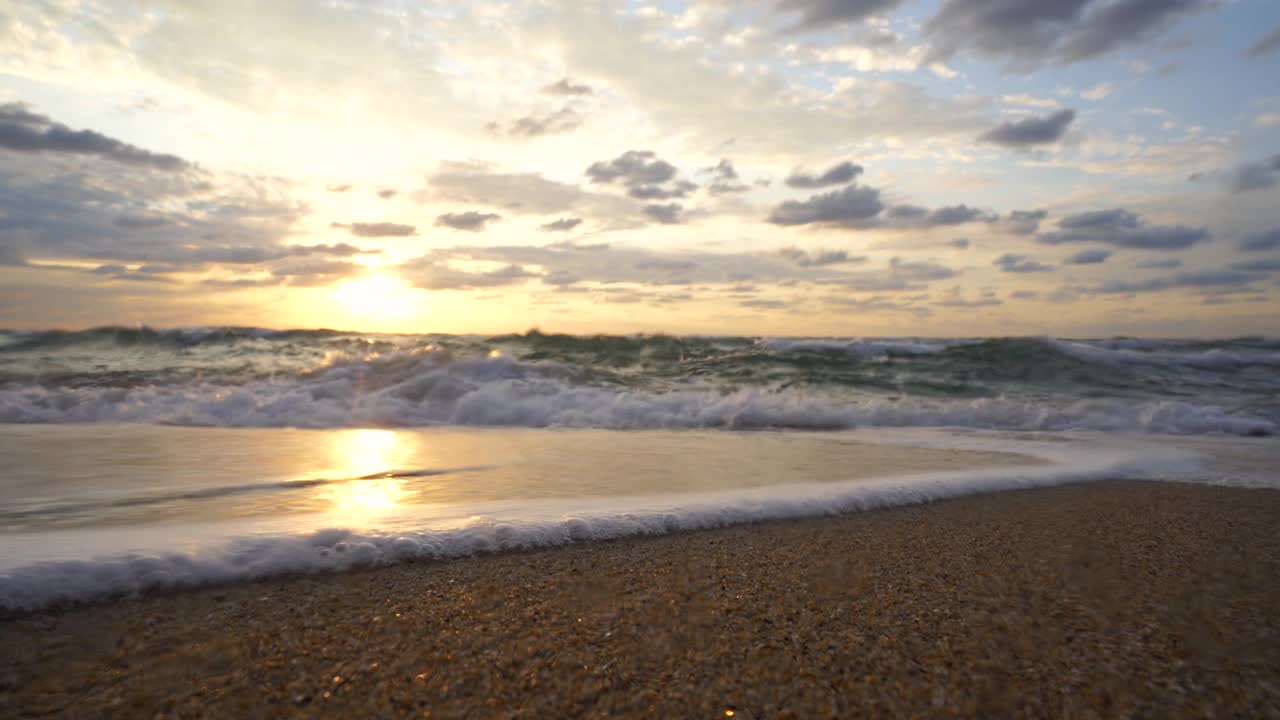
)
(357, 453)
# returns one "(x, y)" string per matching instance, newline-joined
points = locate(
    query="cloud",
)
(1088, 257)
(914, 216)
(1030, 33)
(1030, 132)
(1025, 222)
(469, 221)
(1268, 240)
(378, 229)
(433, 275)
(564, 86)
(668, 214)
(677, 189)
(561, 225)
(817, 14)
(314, 271)
(818, 258)
(1161, 264)
(1098, 92)
(839, 174)
(534, 125)
(1249, 177)
(24, 131)
(634, 167)
(475, 183)
(1264, 45)
(1260, 265)
(388, 193)
(1122, 228)
(1012, 263)
(724, 179)
(338, 188)
(1205, 279)
(852, 206)
(959, 243)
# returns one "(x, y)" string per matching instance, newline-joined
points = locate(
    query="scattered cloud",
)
(852, 207)
(535, 125)
(1029, 33)
(819, 14)
(1258, 242)
(565, 86)
(469, 221)
(378, 229)
(818, 258)
(25, 131)
(1025, 222)
(1122, 228)
(561, 225)
(633, 168)
(1030, 132)
(839, 174)
(1098, 92)
(666, 214)
(1013, 263)
(1265, 45)
(1088, 257)
(1250, 177)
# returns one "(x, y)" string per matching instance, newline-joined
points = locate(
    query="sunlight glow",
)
(375, 299)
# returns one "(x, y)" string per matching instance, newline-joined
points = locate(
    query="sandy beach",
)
(1146, 599)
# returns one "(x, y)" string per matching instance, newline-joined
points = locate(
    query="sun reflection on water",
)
(359, 453)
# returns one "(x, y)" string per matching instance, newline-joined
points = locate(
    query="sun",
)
(375, 300)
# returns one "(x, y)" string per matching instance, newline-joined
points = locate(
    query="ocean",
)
(138, 460)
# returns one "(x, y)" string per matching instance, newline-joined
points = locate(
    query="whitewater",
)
(139, 460)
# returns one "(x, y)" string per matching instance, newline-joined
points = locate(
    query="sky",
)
(1078, 168)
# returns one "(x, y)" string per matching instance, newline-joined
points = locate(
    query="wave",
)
(431, 387)
(460, 531)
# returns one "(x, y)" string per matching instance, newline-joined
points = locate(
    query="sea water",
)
(138, 460)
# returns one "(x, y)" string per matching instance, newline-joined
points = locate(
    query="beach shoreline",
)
(1100, 598)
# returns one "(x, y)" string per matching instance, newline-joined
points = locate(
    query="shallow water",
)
(93, 510)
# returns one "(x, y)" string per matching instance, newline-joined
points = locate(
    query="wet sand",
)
(1110, 599)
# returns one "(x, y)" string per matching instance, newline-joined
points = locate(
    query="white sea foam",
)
(422, 389)
(218, 555)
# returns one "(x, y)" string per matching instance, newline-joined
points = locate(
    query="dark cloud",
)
(470, 221)
(959, 243)
(1261, 265)
(433, 275)
(1265, 45)
(839, 174)
(1012, 263)
(724, 179)
(314, 271)
(1030, 132)
(1029, 33)
(852, 206)
(1255, 176)
(1025, 222)
(818, 14)
(142, 222)
(859, 207)
(668, 214)
(1122, 228)
(1206, 279)
(818, 258)
(1162, 264)
(24, 131)
(564, 86)
(1088, 257)
(533, 125)
(1269, 240)
(561, 225)
(388, 193)
(120, 272)
(634, 167)
(677, 189)
(378, 229)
